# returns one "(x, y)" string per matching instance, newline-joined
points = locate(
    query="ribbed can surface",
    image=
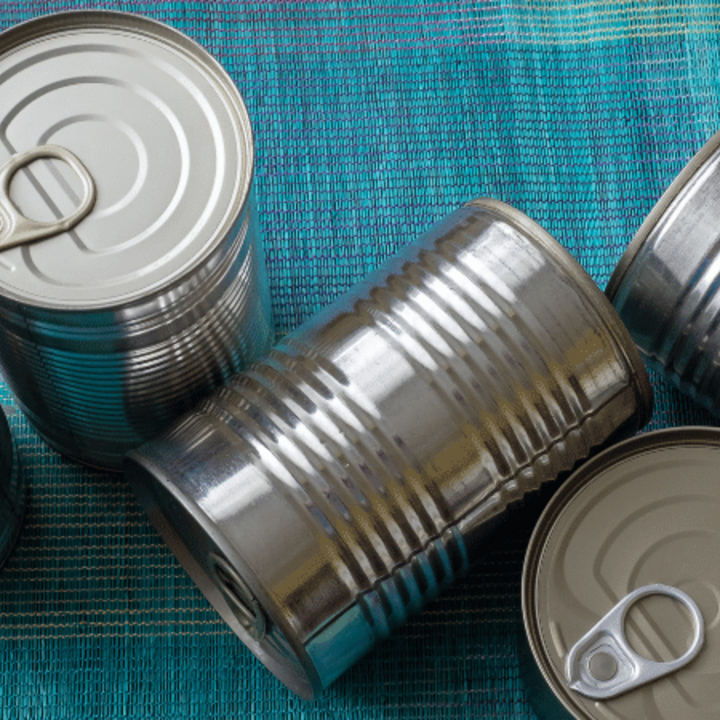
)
(115, 327)
(13, 494)
(665, 287)
(335, 488)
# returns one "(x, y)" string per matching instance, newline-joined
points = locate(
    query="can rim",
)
(699, 435)
(608, 315)
(642, 236)
(143, 26)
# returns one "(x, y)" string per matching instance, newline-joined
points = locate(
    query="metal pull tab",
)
(602, 664)
(17, 229)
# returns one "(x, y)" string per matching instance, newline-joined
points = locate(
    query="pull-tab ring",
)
(16, 228)
(602, 664)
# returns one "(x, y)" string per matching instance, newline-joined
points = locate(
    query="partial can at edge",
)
(641, 518)
(665, 287)
(139, 285)
(357, 470)
(13, 491)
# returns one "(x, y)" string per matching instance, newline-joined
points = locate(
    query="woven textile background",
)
(373, 119)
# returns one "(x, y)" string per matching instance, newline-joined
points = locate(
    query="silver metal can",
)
(634, 529)
(141, 288)
(665, 287)
(13, 494)
(339, 485)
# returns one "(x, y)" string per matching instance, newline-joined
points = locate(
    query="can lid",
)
(162, 131)
(687, 177)
(643, 513)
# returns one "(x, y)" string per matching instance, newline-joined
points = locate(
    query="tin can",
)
(13, 493)
(642, 514)
(325, 495)
(665, 287)
(138, 285)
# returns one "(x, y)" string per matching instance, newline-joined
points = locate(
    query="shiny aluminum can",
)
(347, 478)
(131, 281)
(643, 514)
(665, 287)
(13, 494)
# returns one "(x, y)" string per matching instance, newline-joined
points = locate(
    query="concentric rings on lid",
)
(163, 132)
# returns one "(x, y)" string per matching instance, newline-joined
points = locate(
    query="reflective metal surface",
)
(113, 328)
(642, 513)
(13, 494)
(602, 664)
(340, 484)
(16, 228)
(665, 287)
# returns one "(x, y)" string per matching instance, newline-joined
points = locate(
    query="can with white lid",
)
(153, 292)
(621, 585)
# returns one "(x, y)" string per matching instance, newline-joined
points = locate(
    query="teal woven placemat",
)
(373, 119)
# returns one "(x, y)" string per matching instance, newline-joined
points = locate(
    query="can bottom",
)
(220, 575)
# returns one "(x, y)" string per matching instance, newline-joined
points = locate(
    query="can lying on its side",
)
(13, 492)
(642, 514)
(665, 287)
(355, 472)
(141, 289)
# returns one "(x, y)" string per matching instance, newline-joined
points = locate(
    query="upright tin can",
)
(138, 285)
(346, 479)
(13, 494)
(665, 287)
(621, 585)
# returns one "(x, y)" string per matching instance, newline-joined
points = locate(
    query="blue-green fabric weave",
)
(373, 119)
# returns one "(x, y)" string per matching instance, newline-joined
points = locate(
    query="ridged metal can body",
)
(13, 493)
(665, 287)
(641, 514)
(346, 479)
(114, 327)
